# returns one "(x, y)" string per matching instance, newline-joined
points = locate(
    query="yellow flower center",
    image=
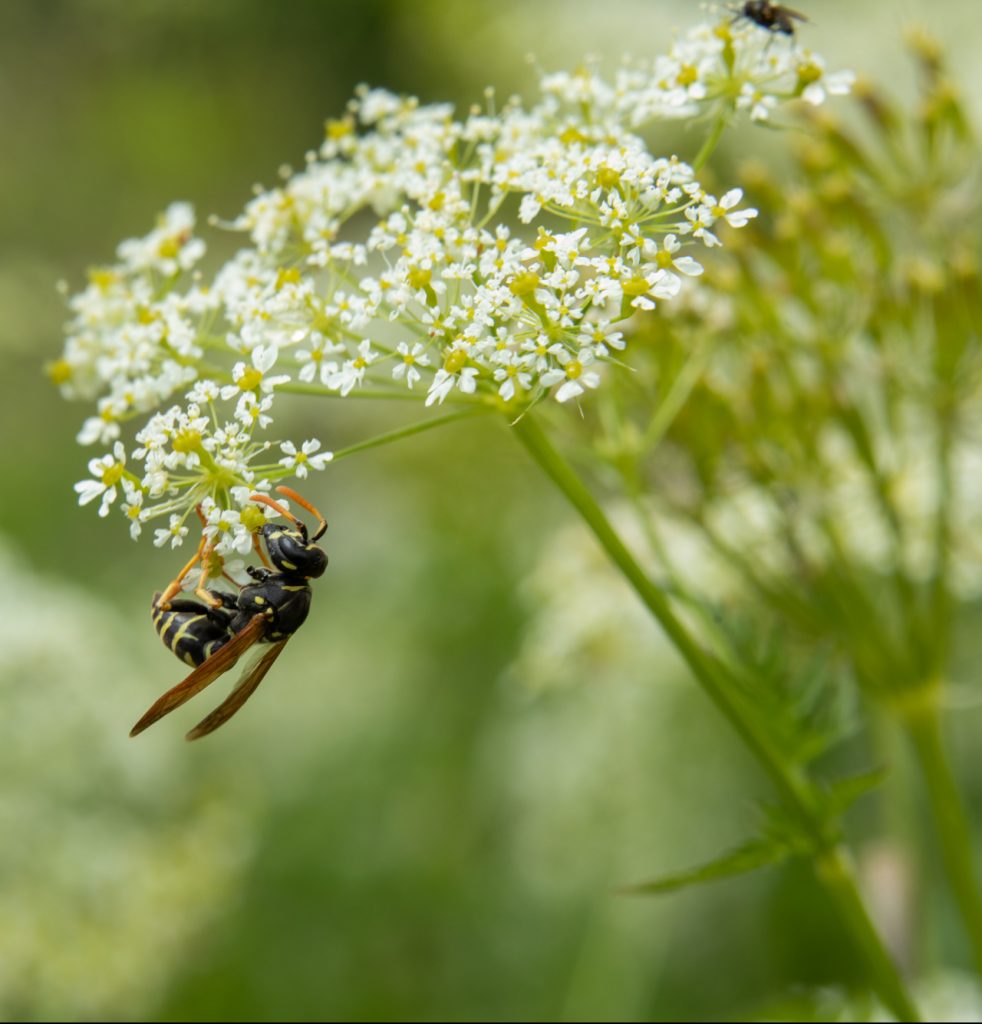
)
(103, 277)
(287, 275)
(524, 284)
(169, 248)
(808, 73)
(636, 285)
(59, 371)
(186, 441)
(251, 518)
(608, 177)
(419, 278)
(338, 129)
(687, 75)
(664, 260)
(250, 379)
(112, 474)
(454, 362)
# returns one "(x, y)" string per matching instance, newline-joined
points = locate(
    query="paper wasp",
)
(212, 635)
(773, 17)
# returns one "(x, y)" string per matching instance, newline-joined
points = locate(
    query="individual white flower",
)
(817, 85)
(314, 361)
(758, 102)
(174, 534)
(225, 530)
(254, 378)
(574, 375)
(170, 248)
(204, 392)
(407, 361)
(702, 216)
(666, 259)
(133, 507)
(300, 461)
(464, 378)
(101, 429)
(108, 472)
(352, 371)
(251, 411)
(512, 376)
(650, 284)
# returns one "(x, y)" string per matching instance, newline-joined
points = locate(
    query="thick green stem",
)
(923, 726)
(835, 870)
(707, 670)
(714, 677)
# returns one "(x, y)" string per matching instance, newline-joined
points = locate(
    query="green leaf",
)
(754, 854)
(843, 794)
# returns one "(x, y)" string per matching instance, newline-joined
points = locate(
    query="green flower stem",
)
(831, 864)
(707, 671)
(712, 140)
(399, 394)
(923, 726)
(408, 431)
(835, 870)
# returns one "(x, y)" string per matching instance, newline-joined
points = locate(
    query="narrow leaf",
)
(842, 794)
(754, 854)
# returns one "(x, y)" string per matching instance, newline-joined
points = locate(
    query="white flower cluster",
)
(504, 254)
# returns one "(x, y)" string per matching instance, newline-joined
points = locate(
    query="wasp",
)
(213, 633)
(773, 17)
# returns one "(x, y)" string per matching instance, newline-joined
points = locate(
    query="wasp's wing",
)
(794, 14)
(244, 689)
(205, 674)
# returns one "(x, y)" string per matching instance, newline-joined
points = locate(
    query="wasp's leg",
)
(174, 587)
(260, 552)
(202, 555)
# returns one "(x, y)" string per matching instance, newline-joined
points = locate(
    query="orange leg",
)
(174, 587)
(260, 552)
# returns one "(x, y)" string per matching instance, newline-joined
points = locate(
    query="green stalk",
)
(419, 427)
(831, 864)
(923, 726)
(711, 141)
(836, 871)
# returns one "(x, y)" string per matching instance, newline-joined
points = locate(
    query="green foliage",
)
(754, 854)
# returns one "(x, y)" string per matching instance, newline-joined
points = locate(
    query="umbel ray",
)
(213, 633)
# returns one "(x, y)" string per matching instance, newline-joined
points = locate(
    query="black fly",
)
(770, 16)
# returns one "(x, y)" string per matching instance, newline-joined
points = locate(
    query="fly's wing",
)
(244, 689)
(794, 14)
(205, 674)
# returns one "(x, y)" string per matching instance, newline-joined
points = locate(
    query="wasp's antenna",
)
(290, 493)
(265, 499)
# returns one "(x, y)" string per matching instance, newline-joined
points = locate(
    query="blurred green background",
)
(412, 819)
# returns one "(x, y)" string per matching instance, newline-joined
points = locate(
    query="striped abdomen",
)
(192, 631)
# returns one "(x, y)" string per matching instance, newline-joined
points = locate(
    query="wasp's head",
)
(291, 551)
